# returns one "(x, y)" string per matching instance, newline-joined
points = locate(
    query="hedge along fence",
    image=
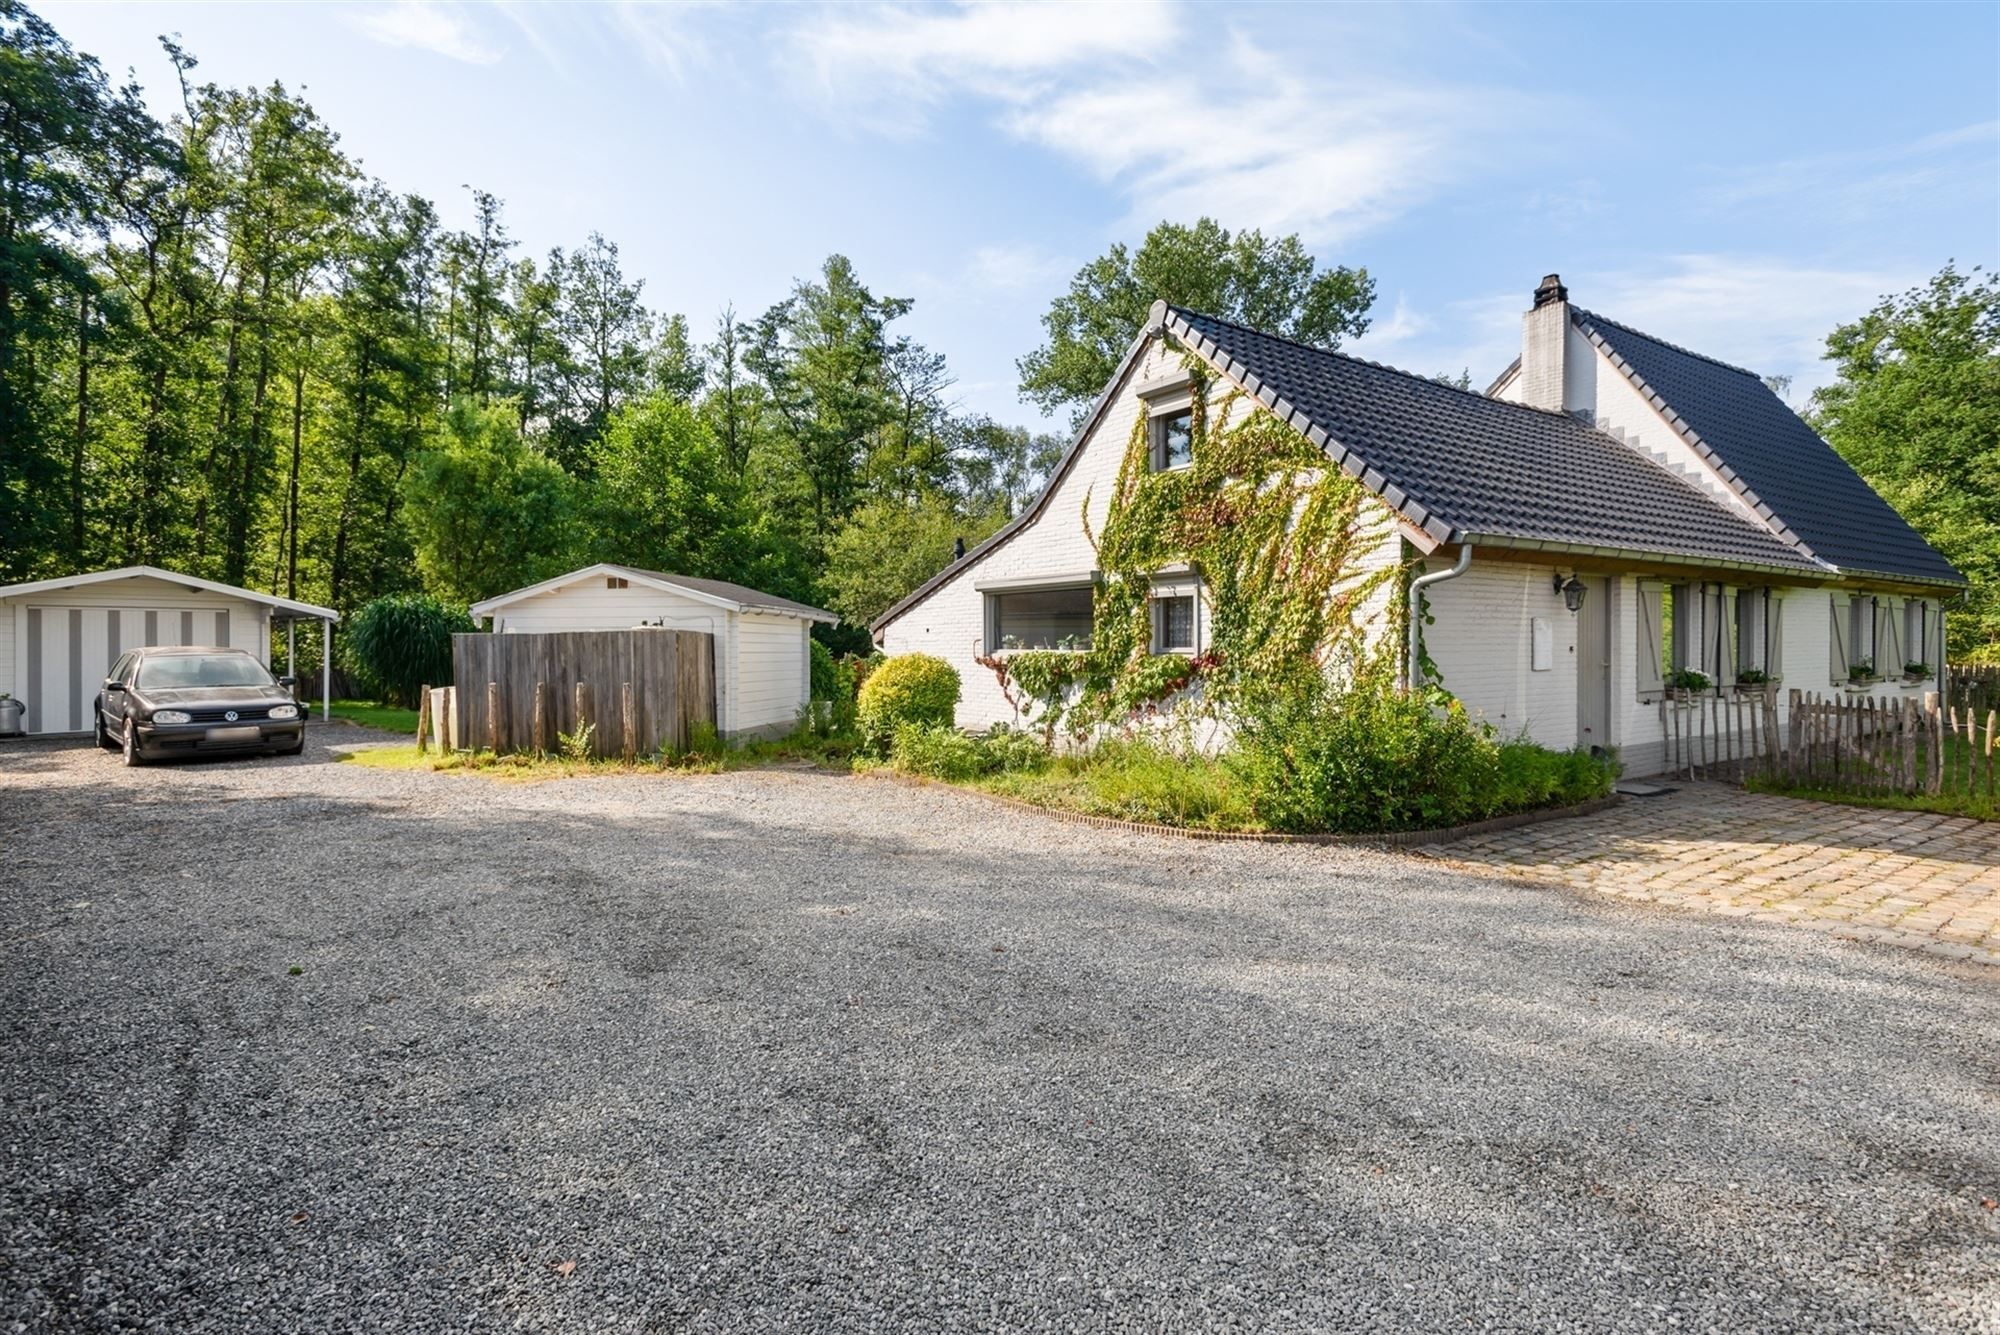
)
(639, 691)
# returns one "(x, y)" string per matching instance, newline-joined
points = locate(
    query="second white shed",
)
(763, 669)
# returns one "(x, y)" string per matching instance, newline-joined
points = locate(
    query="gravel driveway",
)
(295, 1045)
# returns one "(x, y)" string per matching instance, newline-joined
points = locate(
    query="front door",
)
(1593, 666)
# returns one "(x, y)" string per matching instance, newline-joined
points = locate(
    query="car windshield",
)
(184, 671)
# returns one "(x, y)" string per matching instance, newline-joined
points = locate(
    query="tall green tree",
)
(664, 497)
(1272, 284)
(605, 328)
(486, 512)
(54, 106)
(821, 356)
(733, 406)
(887, 547)
(1916, 410)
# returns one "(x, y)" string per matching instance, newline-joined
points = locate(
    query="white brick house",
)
(1704, 523)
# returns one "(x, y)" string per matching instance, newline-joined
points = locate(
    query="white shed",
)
(58, 637)
(763, 669)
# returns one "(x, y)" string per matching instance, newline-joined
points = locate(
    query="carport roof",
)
(287, 608)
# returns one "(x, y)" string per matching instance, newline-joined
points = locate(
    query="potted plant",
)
(1916, 672)
(1687, 683)
(1752, 677)
(1860, 672)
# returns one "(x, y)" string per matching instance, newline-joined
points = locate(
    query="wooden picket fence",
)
(1941, 741)
(634, 691)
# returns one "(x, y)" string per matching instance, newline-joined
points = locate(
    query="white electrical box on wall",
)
(1542, 642)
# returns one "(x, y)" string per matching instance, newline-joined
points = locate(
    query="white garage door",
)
(70, 649)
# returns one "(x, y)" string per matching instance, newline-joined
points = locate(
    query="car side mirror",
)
(113, 684)
(288, 682)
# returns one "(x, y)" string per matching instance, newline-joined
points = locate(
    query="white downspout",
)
(325, 670)
(1413, 674)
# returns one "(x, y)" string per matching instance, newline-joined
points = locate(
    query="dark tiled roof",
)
(1747, 431)
(737, 593)
(1462, 465)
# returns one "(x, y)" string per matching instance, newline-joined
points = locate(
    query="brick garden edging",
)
(1387, 839)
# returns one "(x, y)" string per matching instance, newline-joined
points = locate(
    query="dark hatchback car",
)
(185, 702)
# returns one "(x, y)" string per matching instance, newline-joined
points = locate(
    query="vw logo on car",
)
(229, 716)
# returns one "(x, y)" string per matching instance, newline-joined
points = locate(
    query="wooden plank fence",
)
(638, 690)
(1941, 741)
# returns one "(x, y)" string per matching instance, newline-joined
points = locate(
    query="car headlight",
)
(170, 716)
(284, 711)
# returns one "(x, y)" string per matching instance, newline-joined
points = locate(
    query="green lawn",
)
(1958, 798)
(389, 718)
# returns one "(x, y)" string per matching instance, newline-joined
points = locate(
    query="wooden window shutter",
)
(1774, 633)
(1651, 679)
(1837, 605)
(1731, 634)
(1889, 658)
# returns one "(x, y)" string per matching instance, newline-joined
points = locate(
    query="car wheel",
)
(102, 737)
(130, 747)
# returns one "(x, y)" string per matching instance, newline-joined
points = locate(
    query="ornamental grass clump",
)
(910, 688)
(397, 644)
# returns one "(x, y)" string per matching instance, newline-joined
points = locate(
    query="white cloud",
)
(1953, 167)
(1237, 133)
(426, 26)
(663, 35)
(1013, 267)
(887, 64)
(1770, 316)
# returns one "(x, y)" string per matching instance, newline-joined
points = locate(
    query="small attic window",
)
(616, 582)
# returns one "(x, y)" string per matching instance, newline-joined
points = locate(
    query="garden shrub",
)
(910, 688)
(824, 677)
(1368, 757)
(958, 757)
(399, 643)
(1365, 757)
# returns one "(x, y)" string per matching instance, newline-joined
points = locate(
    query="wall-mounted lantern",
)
(1571, 589)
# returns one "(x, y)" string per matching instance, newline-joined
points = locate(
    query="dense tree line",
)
(227, 350)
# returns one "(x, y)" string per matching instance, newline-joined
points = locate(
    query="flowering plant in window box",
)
(1915, 672)
(1753, 677)
(1687, 683)
(1860, 672)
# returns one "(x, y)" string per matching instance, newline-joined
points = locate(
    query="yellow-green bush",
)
(910, 688)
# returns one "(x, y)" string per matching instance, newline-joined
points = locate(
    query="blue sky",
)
(1735, 177)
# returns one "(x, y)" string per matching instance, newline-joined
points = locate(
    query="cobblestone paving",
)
(1900, 877)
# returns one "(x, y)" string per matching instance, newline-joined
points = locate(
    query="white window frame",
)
(1166, 588)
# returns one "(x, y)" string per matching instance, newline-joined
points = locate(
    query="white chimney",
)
(1544, 339)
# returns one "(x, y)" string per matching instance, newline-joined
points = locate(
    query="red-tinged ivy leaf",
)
(1990, 1203)
(565, 1268)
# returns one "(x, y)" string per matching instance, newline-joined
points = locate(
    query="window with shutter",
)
(1774, 634)
(1837, 640)
(1889, 658)
(1729, 626)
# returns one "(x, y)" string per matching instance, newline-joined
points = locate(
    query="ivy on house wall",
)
(1275, 534)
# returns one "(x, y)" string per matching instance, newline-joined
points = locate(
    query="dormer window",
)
(1173, 440)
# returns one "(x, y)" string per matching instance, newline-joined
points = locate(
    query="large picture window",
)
(1040, 618)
